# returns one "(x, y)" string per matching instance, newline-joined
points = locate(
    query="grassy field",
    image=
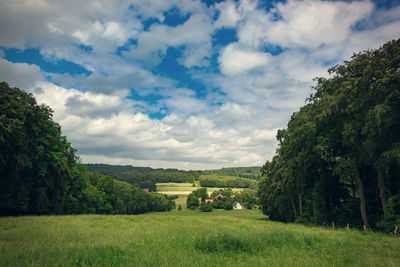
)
(186, 238)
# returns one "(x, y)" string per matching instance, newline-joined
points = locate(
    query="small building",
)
(219, 196)
(209, 201)
(237, 206)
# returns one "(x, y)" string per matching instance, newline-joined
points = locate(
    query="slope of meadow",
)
(186, 238)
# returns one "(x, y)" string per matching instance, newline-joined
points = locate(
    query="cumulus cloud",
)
(309, 23)
(194, 34)
(21, 75)
(95, 125)
(234, 60)
(250, 89)
(228, 16)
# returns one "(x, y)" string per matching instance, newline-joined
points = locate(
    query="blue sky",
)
(182, 84)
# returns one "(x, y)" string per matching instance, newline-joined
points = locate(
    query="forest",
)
(40, 173)
(338, 160)
(146, 177)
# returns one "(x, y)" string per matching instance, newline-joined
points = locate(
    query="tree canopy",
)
(40, 173)
(338, 160)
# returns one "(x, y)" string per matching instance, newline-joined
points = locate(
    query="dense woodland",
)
(338, 160)
(40, 173)
(244, 172)
(146, 177)
(226, 181)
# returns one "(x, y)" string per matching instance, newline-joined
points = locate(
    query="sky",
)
(180, 83)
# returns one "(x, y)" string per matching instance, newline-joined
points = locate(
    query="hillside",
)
(186, 238)
(146, 177)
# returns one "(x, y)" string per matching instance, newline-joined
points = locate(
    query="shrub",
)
(205, 207)
(228, 206)
(192, 202)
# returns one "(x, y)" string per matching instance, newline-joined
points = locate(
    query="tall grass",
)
(186, 238)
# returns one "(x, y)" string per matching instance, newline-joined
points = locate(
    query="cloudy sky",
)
(180, 83)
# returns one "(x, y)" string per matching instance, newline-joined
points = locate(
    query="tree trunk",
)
(353, 189)
(382, 189)
(294, 209)
(300, 205)
(361, 195)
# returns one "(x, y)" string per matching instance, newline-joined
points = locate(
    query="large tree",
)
(35, 159)
(343, 145)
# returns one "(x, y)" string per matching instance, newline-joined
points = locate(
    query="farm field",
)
(186, 238)
(184, 188)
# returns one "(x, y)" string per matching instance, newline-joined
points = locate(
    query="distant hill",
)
(243, 172)
(146, 177)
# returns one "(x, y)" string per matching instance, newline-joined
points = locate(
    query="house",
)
(219, 196)
(208, 201)
(237, 206)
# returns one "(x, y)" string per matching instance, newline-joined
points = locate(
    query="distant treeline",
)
(146, 177)
(226, 181)
(40, 174)
(244, 172)
(338, 160)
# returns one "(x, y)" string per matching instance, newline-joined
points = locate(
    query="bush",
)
(192, 202)
(228, 206)
(206, 207)
(392, 213)
(302, 220)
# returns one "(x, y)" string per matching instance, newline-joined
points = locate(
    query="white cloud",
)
(21, 75)
(309, 23)
(234, 123)
(194, 34)
(234, 60)
(228, 16)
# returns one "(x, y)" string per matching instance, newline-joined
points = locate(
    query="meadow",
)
(186, 238)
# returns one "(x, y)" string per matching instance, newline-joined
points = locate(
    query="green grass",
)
(186, 238)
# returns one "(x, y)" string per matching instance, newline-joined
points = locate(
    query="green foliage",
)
(35, 160)
(227, 205)
(144, 177)
(201, 193)
(192, 201)
(205, 207)
(225, 181)
(243, 172)
(340, 146)
(393, 215)
(40, 173)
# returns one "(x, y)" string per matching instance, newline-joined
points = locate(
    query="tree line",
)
(40, 173)
(226, 181)
(145, 177)
(338, 160)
